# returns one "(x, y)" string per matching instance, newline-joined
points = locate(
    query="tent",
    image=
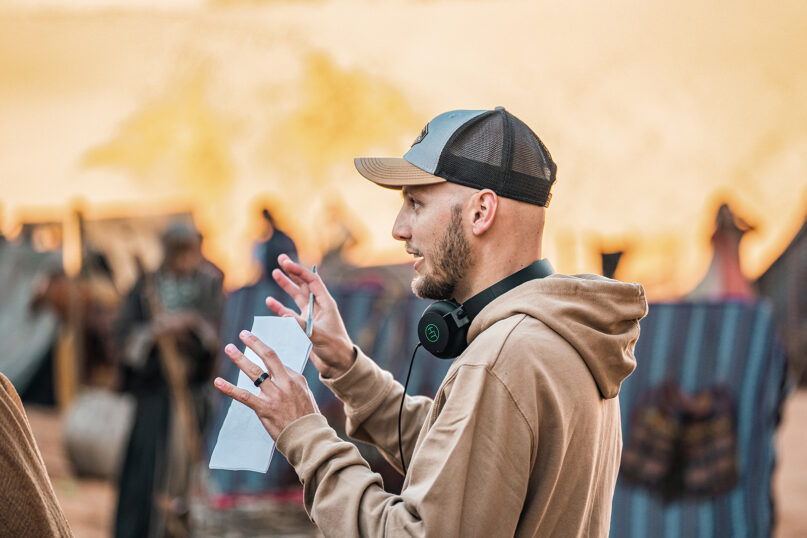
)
(784, 283)
(27, 335)
(698, 346)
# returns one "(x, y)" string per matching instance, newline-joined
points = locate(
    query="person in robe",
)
(168, 333)
(240, 307)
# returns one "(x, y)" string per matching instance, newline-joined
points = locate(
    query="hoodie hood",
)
(598, 316)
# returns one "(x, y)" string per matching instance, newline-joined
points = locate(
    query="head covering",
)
(482, 149)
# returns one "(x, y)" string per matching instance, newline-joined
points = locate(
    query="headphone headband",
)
(536, 270)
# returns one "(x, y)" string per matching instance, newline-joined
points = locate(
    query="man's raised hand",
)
(332, 352)
(283, 397)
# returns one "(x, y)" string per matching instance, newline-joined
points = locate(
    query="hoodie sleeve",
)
(372, 399)
(29, 504)
(468, 476)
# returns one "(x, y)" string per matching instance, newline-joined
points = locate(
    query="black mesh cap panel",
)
(498, 151)
(479, 140)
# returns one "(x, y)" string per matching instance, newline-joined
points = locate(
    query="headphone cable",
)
(400, 411)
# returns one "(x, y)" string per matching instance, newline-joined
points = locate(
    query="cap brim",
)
(394, 173)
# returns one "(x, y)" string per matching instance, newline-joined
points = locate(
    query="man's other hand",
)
(283, 397)
(332, 352)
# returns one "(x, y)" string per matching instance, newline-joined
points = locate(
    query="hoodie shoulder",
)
(486, 348)
(596, 317)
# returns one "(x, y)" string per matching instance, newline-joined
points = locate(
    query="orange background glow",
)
(655, 112)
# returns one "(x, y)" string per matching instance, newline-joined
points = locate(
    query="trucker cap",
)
(482, 149)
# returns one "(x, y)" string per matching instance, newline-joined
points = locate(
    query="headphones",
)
(443, 326)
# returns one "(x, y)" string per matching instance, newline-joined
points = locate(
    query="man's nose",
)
(400, 229)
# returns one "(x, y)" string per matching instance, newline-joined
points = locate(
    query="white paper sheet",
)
(243, 443)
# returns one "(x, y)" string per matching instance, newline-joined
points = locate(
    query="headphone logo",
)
(432, 332)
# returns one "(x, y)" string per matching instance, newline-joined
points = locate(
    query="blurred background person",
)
(274, 243)
(85, 305)
(240, 307)
(167, 331)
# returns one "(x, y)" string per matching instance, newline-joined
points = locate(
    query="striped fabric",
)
(699, 345)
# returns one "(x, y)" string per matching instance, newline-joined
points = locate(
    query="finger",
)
(306, 276)
(279, 308)
(252, 370)
(298, 272)
(269, 357)
(284, 312)
(299, 282)
(294, 291)
(288, 285)
(241, 395)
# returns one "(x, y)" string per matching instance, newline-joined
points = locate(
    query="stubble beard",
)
(452, 257)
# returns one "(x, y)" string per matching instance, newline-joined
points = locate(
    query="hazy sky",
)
(653, 112)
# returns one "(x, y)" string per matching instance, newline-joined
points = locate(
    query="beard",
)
(452, 257)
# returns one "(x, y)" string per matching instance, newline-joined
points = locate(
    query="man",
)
(168, 333)
(523, 437)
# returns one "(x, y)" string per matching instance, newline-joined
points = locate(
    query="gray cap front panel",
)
(426, 153)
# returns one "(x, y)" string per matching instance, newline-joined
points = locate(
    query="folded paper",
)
(243, 443)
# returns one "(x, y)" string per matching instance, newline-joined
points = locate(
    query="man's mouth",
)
(418, 257)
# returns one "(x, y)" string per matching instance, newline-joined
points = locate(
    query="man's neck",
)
(491, 269)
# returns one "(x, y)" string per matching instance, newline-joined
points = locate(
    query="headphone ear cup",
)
(433, 329)
(457, 342)
(438, 333)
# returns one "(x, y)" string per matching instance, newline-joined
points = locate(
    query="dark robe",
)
(148, 464)
(240, 307)
(269, 250)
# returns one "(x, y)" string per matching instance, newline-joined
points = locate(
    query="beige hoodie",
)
(522, 439)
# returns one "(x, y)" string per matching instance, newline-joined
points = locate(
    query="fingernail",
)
(219, 382)
(245, 334)
(230, 349)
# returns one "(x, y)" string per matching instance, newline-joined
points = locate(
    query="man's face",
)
(430, 222)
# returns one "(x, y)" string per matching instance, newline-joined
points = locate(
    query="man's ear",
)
(483, 210)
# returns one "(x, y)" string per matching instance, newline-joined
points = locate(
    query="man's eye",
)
(414, 203)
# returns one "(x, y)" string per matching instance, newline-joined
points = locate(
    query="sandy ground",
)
(90, 504)
(790, 481)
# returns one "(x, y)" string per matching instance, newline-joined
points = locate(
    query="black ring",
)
(261, 379)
